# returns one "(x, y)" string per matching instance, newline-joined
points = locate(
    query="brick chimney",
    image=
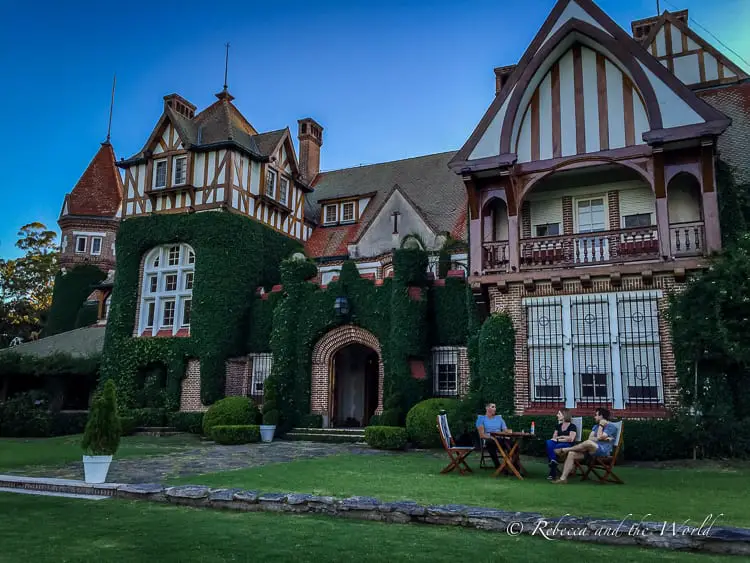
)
(180, 105)
(310, 137)
(502, 73)
(641, 28)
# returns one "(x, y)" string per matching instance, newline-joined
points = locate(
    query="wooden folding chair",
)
(603, 466)
(484, 455)
(457, 454)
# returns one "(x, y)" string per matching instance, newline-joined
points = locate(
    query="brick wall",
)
(463, 371)
(510, 303)
(322, 360)
(526, 220)
(238, 377)
(190, 396)
(69, 258)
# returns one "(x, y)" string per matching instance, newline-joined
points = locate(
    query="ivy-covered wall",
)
(233, 256)
(68, 297)
(398, 317)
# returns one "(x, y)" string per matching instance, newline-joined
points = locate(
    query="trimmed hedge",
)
(70, 291)
(191, 422)
(230, 411)
(235, 434)
(386, 437)
(421, 422)
(147, 417)
(497, 341)
(311, 421)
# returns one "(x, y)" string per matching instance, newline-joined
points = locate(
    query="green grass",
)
(666, 494)
(20, 452)
(44, 529)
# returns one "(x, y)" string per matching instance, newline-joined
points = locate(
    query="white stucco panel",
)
(674, 110)
(572, 10)
(489, 144)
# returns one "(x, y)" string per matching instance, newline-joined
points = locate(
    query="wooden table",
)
(515, 438)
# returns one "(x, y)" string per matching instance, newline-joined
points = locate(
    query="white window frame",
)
(93, 245)
(156, 173)
(343, 212)
(161, 296)
(258, 375)
(442, 352)
(613, 300)
(175, 160)
(577, 200)
(335, 214)
(85, 244)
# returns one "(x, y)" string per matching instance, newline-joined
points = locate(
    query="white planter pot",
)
(95, 467)
(266, 432)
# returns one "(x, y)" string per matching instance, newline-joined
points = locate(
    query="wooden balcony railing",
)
(583, 249)
(687, 239)
(603, 247)
(495, 256)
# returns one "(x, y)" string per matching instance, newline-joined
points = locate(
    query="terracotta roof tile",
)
(99, 190)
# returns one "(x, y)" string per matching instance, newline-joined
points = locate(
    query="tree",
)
(26, 283)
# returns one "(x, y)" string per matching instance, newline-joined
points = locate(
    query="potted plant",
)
(270, 420)
(102, 435)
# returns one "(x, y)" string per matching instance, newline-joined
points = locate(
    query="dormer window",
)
(331, 214)
(347, 212)
(179, 172)
(271, 183)
(160, 174)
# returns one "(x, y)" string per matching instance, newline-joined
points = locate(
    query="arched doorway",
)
(355, 386)
(347, 377)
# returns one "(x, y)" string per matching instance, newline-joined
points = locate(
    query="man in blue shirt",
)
(491, 422)
(601, 442)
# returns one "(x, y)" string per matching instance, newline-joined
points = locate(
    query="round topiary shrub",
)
(386, 437)
(228, 435)
(230, 411)
(421, 422)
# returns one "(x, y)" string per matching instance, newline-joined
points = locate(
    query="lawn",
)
(675, 494)
(59, 529)
(20, 452)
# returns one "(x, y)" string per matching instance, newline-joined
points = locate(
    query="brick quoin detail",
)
(526, 220)
(323, 354)
(190, 396)
(511, 303)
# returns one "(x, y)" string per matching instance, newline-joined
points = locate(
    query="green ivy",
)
(496, 362)
(260, 323)
(448, 314)
(234, 255)
(305, 313)
(71, 290)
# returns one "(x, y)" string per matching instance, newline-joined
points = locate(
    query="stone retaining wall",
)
(667, 535)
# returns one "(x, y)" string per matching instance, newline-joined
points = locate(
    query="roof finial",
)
(658, 8)
(111, 105)
(226, 66)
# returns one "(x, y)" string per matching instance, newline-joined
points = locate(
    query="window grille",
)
(260, 369)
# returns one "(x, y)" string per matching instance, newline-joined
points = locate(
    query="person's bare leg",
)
(570, 460)
(576, 453)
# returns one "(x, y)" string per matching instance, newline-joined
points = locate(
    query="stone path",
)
(205, 458)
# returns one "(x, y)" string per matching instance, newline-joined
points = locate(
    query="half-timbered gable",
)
(684, 52)
(216, 160)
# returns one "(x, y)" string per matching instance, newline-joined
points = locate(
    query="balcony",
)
(598, 248)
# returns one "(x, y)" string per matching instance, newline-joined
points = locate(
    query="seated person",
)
(491, 422)
(564, 437)
(601, 441)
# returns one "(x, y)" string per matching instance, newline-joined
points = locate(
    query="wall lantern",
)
(341, 306)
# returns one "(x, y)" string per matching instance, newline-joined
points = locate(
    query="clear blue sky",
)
(386, 79)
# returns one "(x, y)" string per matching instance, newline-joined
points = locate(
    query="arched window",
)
(167, 289)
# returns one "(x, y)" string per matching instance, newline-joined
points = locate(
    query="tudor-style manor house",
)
(585, 195)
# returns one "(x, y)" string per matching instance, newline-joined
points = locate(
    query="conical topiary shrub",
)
(102, 434)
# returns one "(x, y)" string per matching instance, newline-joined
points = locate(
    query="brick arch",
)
(324, 351)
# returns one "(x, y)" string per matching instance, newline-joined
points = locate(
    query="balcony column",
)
(513, 243)
(710, 203)
(711, 222)
(662, 210)
(662, 222)
(477, 244)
